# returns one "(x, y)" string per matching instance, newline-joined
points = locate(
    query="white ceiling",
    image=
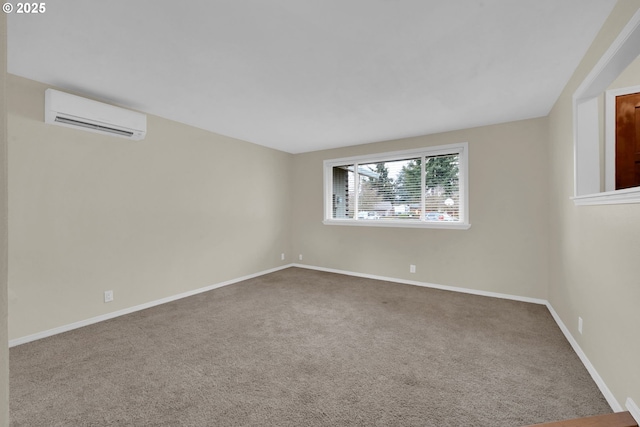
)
(304, 75)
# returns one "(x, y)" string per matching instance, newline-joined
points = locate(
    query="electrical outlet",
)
(300, 257)
(282, 256)
(412, 268)
(108, 296)
(580, 325)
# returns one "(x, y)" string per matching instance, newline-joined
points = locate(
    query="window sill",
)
(618, 197)
(398, 224)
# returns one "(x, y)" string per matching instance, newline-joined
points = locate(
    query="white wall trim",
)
(610, 133)
(611, 400)
(622, 52)
(107, 316)
(615, 406)
(633, 409)
(617, 197)
(427, 285)
(397, 223)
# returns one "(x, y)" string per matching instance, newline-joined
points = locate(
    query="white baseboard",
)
(633, 410)
(615, 406)
(427, 285)
(107, 316)
(613, 402)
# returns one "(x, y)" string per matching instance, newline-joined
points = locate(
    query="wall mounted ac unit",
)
(72, 111)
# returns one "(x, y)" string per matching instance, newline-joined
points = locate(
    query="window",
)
(415, 188)
(622, 137)
(589, 160)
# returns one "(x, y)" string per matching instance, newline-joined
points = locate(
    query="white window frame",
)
(586, 130)
(461, 149)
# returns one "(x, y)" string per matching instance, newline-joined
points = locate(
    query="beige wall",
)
(629, 77)
(180, 210)
(504, 250)
(4, 351)
(594, 250)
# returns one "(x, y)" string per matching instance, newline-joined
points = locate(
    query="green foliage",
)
(383, 184)
(407, 186)
(441, 182)
(442, 173)
(375, 191)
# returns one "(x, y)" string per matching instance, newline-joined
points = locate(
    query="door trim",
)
(610, 134)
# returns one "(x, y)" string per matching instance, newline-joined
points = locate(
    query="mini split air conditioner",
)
(72, 111)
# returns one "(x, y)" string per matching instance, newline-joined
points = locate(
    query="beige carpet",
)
(307, 348)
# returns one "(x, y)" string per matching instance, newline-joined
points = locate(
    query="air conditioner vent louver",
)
(72, 111)
(93, 126)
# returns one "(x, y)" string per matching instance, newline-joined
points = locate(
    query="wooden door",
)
(628, 141)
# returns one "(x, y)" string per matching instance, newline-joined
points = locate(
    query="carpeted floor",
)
(307, 348)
